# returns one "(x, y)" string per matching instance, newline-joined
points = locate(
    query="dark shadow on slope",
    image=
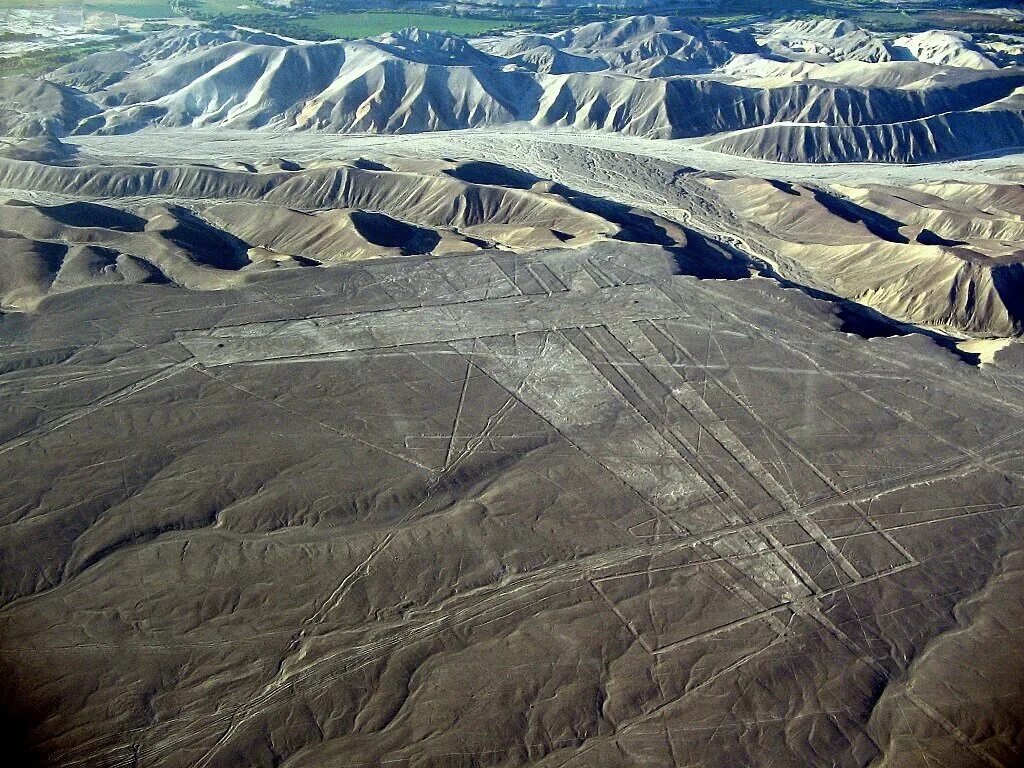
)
(50, 255)
(705, 258)
(481, 172)
(93, 215)
(879, 225)
(636, 227)
(30, 263)
(283, 164)
(710, 260)
(1008, 280)
(387, 232)
(17, 721)
(860, 320)
(305, 261)
(207, 244)
(783, 186)
(927, 237)
(369, 165)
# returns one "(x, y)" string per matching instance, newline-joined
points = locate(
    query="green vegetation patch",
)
(38, 62)
(318, 25)
(371, 24)
(139, 9)
(313, 24)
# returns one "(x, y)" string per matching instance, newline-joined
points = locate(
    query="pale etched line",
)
(696, 406)
(658, 513)
(474, 443)
(949, 727)
(360, 656)
(511, 279)
(724, 489)
(365, 655)
(555, 280)
(735, 447)
(17, 381)
(740, 579)
(715, 490)
(704, 373)
(303, 675)
(669, 439)
(622, 618)
(405, 459)
(760, 473)
(657, 711)
(547, 289)
(79, 413)
(458, 415)
(934, 521)
(724, 629)
(599, 275)
(976, 453)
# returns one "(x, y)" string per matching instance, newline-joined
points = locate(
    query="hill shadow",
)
(81, 214)
(878, 224)
(482, 172)
(382, 230)
(207, 244)
(867, 323)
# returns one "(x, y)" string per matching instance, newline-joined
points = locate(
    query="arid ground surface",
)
(593, 431)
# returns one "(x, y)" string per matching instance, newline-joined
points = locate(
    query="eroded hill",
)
(814, 91)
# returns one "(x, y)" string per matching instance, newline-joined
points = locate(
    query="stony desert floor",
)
(574, 508)
(563, 443)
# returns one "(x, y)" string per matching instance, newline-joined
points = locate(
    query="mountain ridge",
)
(651, 76)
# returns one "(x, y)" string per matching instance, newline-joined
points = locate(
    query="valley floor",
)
(537, 150)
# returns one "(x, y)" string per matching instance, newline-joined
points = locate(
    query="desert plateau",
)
(495, 384)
